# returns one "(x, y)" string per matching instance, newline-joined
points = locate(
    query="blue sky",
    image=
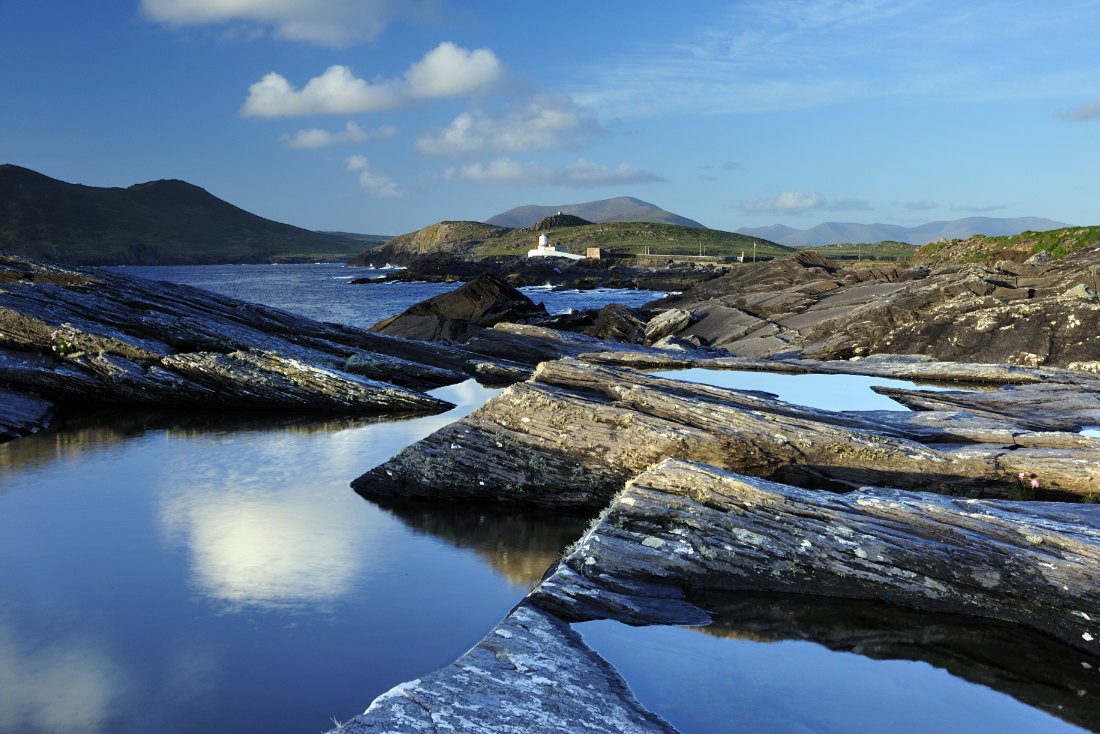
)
(383, 116)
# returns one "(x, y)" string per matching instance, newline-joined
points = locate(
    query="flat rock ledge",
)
(530, 674)
(575, 433)
(81, 336)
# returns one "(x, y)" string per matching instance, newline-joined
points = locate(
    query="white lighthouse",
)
(545, 249)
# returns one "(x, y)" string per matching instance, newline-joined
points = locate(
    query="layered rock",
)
(1025, 314)
(71, 336)
(574, 433)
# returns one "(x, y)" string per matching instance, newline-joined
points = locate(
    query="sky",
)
(385, 116)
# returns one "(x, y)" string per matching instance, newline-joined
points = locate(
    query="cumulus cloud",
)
(1087, 111)
(508, 172)
(445, 71)
(335, 23)
(545, 122)
(335, 92)
(450, 71)
(373, 180)
(314, 138)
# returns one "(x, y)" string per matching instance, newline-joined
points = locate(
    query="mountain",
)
(619, 209)
(158, 222)
(839, 232)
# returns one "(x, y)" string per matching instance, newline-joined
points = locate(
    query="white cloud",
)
(509, 172)
(545, 122)
(339, 92)
(336, 92)
(373, 180)
(450, 71)
(314, 138)
(336, 23)
(789, 202)
(1087, 111)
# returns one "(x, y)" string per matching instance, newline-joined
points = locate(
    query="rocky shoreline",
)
(715, 506)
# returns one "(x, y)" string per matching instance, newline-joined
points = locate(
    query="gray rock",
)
(530, 674)
(666, 323)
(685, 526)
(84, 336)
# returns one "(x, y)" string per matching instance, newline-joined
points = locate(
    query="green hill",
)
(159, 222)
(1013, 248)
(476, 240)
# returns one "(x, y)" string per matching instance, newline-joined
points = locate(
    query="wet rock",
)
(22, 414)
(530, 674)
(686, 526)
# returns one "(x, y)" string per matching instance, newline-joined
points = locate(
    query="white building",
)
(545, 249)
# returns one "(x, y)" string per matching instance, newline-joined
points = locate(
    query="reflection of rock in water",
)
(520, 544)
(93, 430)
(1027, 665)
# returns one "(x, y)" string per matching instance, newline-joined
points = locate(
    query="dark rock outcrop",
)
(450, 317)
(1041, 314)
(71, 336)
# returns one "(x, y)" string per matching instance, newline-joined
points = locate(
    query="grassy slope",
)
(474, 239)
(1016, 248)
(882, 251)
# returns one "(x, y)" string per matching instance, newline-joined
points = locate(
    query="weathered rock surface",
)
(71, 336)
(530, 674)
(1037, 314)
(686, 526)
(576, 432)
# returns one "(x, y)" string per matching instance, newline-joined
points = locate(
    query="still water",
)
(179, 574)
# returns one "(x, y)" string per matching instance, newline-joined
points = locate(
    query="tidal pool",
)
(207, 574)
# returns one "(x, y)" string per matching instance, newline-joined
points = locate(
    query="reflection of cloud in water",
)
(272, 549)
(269, 518)
(57, 689)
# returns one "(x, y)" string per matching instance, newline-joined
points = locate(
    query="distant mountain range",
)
(619, 209)
(831, 233)
(159, 222)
